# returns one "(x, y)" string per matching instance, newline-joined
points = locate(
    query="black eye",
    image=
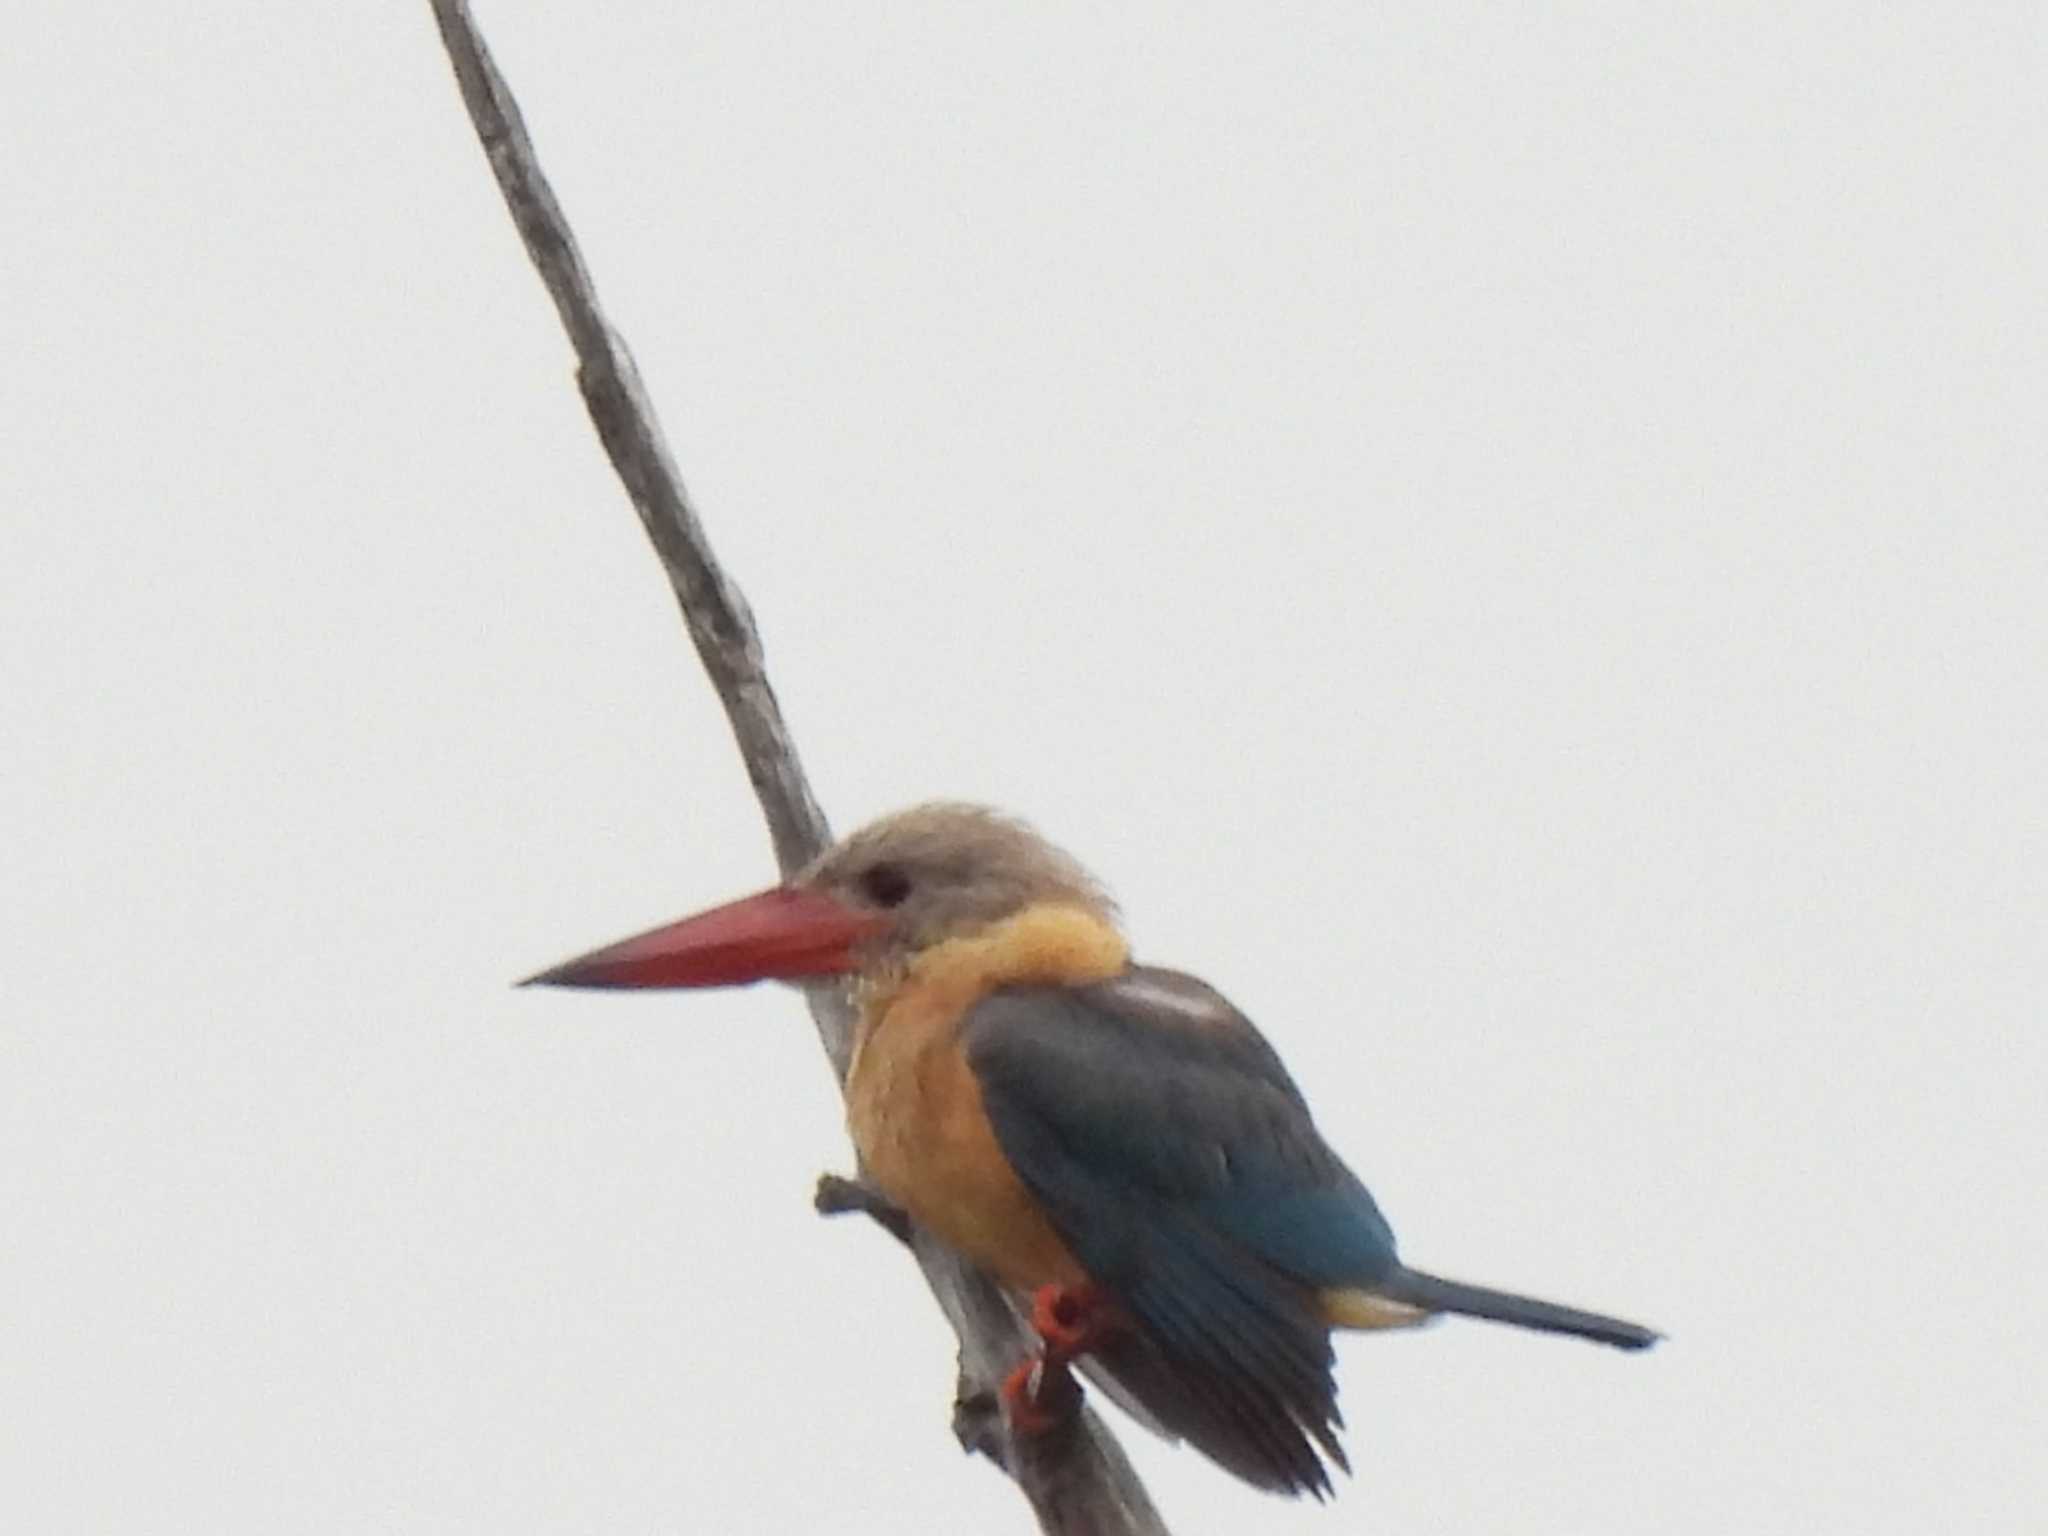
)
(886, 885)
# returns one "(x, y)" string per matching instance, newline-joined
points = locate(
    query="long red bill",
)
(782, 934)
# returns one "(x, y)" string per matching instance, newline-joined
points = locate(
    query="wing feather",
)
(1179, 1162)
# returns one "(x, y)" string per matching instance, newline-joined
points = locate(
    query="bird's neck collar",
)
(1051, 944)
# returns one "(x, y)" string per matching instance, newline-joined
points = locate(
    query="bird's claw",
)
(1039, 1395)
(1041, 1391)
(1068, 1320)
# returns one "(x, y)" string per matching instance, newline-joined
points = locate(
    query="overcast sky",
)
(1514, 537)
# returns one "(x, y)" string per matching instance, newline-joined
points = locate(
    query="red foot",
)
(1040, 1392)
(1069, 1320)
(1033, 1409)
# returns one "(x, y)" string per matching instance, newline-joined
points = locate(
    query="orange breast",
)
(915, 1109)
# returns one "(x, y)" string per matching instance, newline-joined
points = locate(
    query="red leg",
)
(1070, 1319)
(1068, 1322)
(1033, 1406)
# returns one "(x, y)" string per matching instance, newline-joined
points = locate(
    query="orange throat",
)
(914, 1107)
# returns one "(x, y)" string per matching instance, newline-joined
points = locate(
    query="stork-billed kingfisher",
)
(1114, 1141)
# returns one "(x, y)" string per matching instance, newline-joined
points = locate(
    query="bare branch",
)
(837, 1196)
(716, 614)
(1075, 1477)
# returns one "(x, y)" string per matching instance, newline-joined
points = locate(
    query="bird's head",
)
(864, 907)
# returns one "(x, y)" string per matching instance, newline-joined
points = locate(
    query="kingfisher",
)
(1113, 1142)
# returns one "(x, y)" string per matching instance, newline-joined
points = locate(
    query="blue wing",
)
(1179, 1162)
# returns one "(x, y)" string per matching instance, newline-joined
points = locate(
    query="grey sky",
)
(1514, 538)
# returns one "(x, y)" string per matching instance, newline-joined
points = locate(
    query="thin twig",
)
(837, 1196)
(1076, 1478)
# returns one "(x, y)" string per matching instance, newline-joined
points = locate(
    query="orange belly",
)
(925, 1143)
(915, 1110)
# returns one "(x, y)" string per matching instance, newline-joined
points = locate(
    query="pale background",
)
(1513, 536)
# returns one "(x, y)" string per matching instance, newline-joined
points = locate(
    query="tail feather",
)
(1433, 1293)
